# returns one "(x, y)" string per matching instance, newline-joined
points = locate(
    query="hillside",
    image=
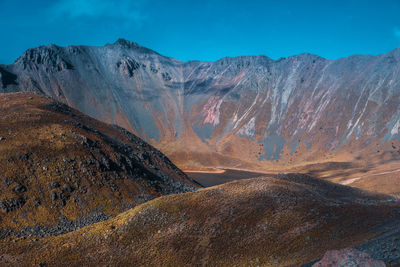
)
(284, 220)
(61, 170)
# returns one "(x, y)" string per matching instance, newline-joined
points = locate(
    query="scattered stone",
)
(68, 188)
(11, 204)
(54, 196)
(55, 185)
(38, 202)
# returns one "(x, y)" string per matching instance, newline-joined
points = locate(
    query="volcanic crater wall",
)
(242, 111)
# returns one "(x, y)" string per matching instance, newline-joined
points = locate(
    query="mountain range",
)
(244, 112)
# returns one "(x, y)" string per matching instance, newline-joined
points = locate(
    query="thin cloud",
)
(123, 10)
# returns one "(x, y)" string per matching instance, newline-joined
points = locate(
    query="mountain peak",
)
(126, 43)
(123, 43)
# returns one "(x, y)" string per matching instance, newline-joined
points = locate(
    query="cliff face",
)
(244, 111)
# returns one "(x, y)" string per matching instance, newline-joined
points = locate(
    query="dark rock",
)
(64, 226)
(11, 204)
(54, 196)
(55, 185)
(68, 188)
(38, 202)
(64, 196)
(20, 189)
(127, 66)
(7, 78)
(166, 77)
(153, 69)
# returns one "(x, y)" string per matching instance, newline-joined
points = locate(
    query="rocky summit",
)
(61, 170)
(248, 111)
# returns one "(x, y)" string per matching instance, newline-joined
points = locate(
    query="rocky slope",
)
(61, 170)
(248, 111)
(285, 220)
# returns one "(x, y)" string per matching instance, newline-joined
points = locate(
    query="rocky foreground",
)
(284, 220)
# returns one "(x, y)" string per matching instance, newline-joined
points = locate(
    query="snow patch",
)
(249, 128)
(211, 110)
(395, 129)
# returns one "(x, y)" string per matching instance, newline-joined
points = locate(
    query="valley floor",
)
(380, 178)
(221, 176)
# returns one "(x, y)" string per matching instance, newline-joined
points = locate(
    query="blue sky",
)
(206, 29)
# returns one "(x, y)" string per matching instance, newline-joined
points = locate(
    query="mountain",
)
(283, 220)
(61, 170)
(247, 111)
